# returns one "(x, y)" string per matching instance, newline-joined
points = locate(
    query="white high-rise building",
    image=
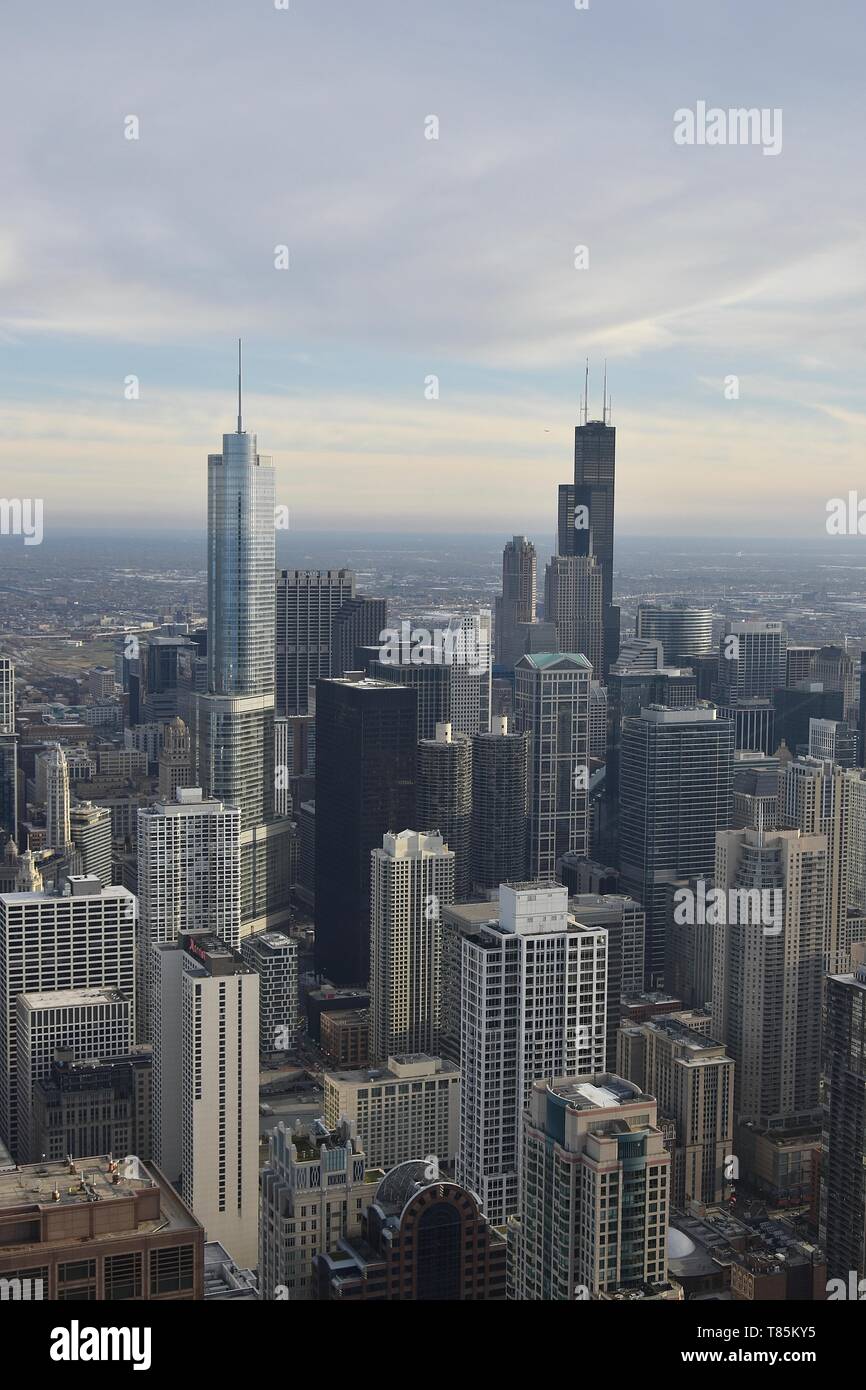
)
(411, 1106)
(206, 1086)
(412, 877)
(92, 1023)
(189, 871)
(82, 939)
(90, 827)
(58, 834)
(533, 998)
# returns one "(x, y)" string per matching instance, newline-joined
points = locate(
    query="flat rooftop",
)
(33, 1185)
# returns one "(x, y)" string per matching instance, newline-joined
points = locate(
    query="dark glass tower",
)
(843, 1163)
(366, 748)
(595, 473)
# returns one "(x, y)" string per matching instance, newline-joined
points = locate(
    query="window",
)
(123, 1276)
(171, 1269)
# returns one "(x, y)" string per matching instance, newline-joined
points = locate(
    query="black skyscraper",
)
(366, 743)
(595, 470)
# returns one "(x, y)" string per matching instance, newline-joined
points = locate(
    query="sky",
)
(412, 258)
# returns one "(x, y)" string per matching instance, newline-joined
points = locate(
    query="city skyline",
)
(454, 257)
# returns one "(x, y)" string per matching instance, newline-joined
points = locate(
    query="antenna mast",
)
(240, 424)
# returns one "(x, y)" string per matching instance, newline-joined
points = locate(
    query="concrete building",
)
(315, 1189)
(552, 708)
(692, 1079)
(595, 1199)
(189, 878)
(499, 807)
(90, 827)
(99, 1229)
(411, 1106)
(205, 1085)
(682, 631)
(843, 1157)
(533, 999)
(307, 601)
(422, 1240)
(80, 939)
(101, 1105)
(444, 790)
(516, 604)
(89, 1022)
(274, 957)
(412, 876)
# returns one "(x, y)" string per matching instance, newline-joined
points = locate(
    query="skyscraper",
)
(499, 807)
(90, 827)
(235, 719)
(360, 622)
(366, 756)
(682, 631)
(517, 601)
(595, 471)
(552, 706)
(83, 939)
(675, 778)
(594, 1200)
(752, 662)
(58, 833)
(189, 878)
(573, 601)
(307, 603)
(206, 1085)
(412, 878)
(767, 983)
(843, 1160)
(445, 798)
(533, 986)
(7, 696)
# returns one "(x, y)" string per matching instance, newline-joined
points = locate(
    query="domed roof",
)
(398, 1186)
(680, 1246)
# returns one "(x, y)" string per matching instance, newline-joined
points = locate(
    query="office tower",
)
(189, 872)
(798, 664)
(366, 750)
(533, 990)
(101, 1105)
(692, 1079)
(624, 921)
(166, 675)
(99, 1230)
(410, 1106)
(7, 696)
(206, 1085)
(234, 734)
(535, 637)
(58, 834)
(629, 690)
(345, 1037)
(754, 722)
(517, 601)
(445, 798)
(683, 632)
(675, 793)
(422, 1239)
(552, 707)
(83, 939)
(689, 948)
(597, 727)
(451, 671)
(639, 654)
(412, 876)
(90, 827)
(90, 1022)
(307, 602)
(360, 622)
(769, 961)
(274, 957)
(499, 807)
(594, 486)
(8, 788)
(843, 1158)
(819, 798)
(573, 601)
(836, 670)
(594, 1200)
(316, 1182)
(752, 662)
(175, 759)
(100, 682)
(756, 791)
(861, 716)
(833, 741)
(795, 707)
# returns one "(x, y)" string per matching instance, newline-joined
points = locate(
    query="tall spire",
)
(604, 396)
(240, 423)
(586, 394)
